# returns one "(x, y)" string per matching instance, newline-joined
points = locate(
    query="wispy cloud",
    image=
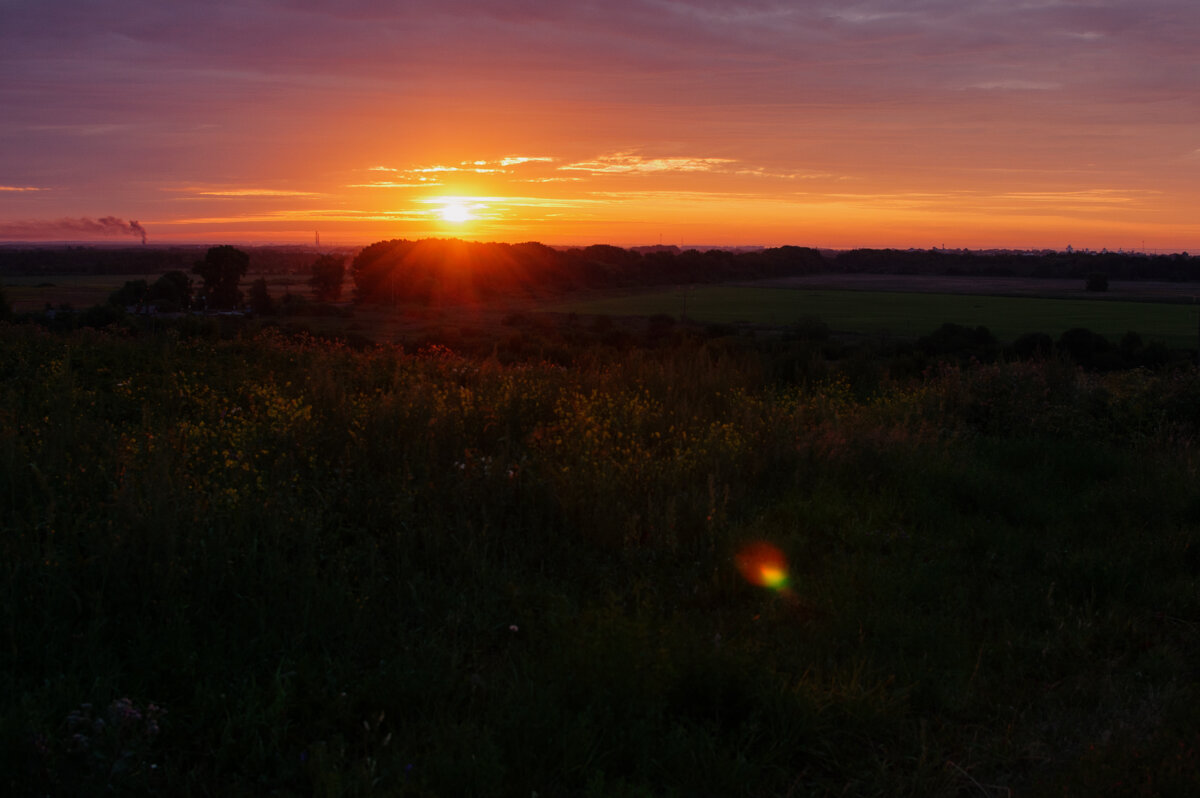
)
(760, 172)
(629, 163)
(1100, 196)
(423, 182)
(83, 130)
(1017, 85)
(473, 166)
(307, 215)
(522, 202)
(261, 193)
(684, 196)
(21, 188)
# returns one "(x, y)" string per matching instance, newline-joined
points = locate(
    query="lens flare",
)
(763, 564)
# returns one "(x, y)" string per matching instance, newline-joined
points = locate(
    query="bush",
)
(1033, 345)
(1083, 345)
(960, 342)
(101, 316)
(134, 292)
(172, 291)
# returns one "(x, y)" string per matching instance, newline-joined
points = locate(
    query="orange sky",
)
(1030, 123)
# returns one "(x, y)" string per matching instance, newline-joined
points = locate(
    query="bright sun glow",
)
(456, 212)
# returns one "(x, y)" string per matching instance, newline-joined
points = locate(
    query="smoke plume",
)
(70, 229)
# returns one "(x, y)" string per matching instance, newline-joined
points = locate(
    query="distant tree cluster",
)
(222, 270)
(1072, 265)
(435, 270)
(170, 293)
(441, 270)
(955, 342)
(141, 260)
(328, 273)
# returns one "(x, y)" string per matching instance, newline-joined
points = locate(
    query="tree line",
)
(221, 272)
(489, 268)
(141, 259)
(440, 270)
(1177, 267)
(451, 270)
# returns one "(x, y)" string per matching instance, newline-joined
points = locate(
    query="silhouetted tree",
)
(132, 293)
(5, 308)
(1083, 345)
(328, 272)
(222, 269)
(172, 291)
(260, 298)
(1131, 343)
(1033, 345)
(959, 341)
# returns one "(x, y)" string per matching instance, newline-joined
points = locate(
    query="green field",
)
(32, 292)
(907, 314)
(901, 314)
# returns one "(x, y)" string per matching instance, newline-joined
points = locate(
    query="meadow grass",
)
(33, 292)
(269, 565)
(906, 314)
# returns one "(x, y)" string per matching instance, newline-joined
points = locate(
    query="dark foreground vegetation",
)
(270, 565)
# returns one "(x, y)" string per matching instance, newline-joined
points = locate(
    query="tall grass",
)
(282, 566)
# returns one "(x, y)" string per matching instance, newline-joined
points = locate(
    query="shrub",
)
(960, 342)
(134, 292)
(1033, 345)
(1083, 345)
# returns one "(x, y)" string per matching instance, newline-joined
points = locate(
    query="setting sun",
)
(456, 212)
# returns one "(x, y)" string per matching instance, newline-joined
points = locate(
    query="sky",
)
(829, 123)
